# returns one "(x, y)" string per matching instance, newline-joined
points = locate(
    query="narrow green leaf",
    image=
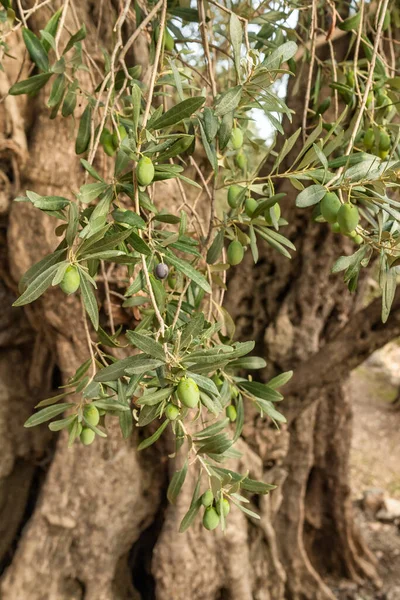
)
(146, 344)
(228, 101)
(176, 483)
(310, 196)
(77, 37)
(280, 380)
(31, 85)
(180, 111)
(190, 515)
(62, 423)
(89, 299)
(153, 438)
(46, 414)
(37, 287)
(83, 137)
(36, 51)
(190, 272)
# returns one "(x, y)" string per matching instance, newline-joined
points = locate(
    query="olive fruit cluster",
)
(237, 143)
(212, 512)
(91, 416)
(379, 145)
(111, 141)
(188, 394)
(237, 201)
(343, 218)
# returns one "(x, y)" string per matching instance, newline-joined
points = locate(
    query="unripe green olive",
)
(369, 138)
(234, 192)
(335, 227)
(330, 205)
(168, 39)
(234, 391)
(381, 97)
(207, 498)
(145, 171)
(225, 507)
(188, 392)
(107, 141)
(383, 154)
(169, 42)
(241, 160)
(87, 436)
(348, 217)
(277, 210)
(210, 518)
(231, 413)
(71, 280)
(250, 206)
(91, 414)
(171, 412)
(122, 135)
(102, 412)
(350, 79)
(217, 380)
(235, 253)
(370, 99)
(237, 138)
(384, 140)
(172, 280)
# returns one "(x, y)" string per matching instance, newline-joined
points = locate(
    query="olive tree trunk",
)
(93, 523)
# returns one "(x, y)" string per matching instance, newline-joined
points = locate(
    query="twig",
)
(61, 27)
(107, 291)
(310, 72)
(139, 29)
(203, 26)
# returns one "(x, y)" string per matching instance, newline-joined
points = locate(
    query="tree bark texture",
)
(93, 523)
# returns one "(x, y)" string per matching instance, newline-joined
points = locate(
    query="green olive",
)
(122, 135)
(234, 192)
(348, 217)
(241, 160)
(188, 392)
(276, 209)
(71, 280)
(91, 414)
(250, 206)
(169, 42)
(330, 205)
(335, 227)
(225, 507)
(87, 436)
(210, 518)
(237, 138)
(384, 140)
(235, 253)
(145, 171)
(171, 412)
(231, 413)
(207, 498)
(369, 138)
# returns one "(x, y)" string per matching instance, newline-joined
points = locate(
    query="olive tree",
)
(164, 253)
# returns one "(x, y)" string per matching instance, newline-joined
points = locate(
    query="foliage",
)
(183, 372)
